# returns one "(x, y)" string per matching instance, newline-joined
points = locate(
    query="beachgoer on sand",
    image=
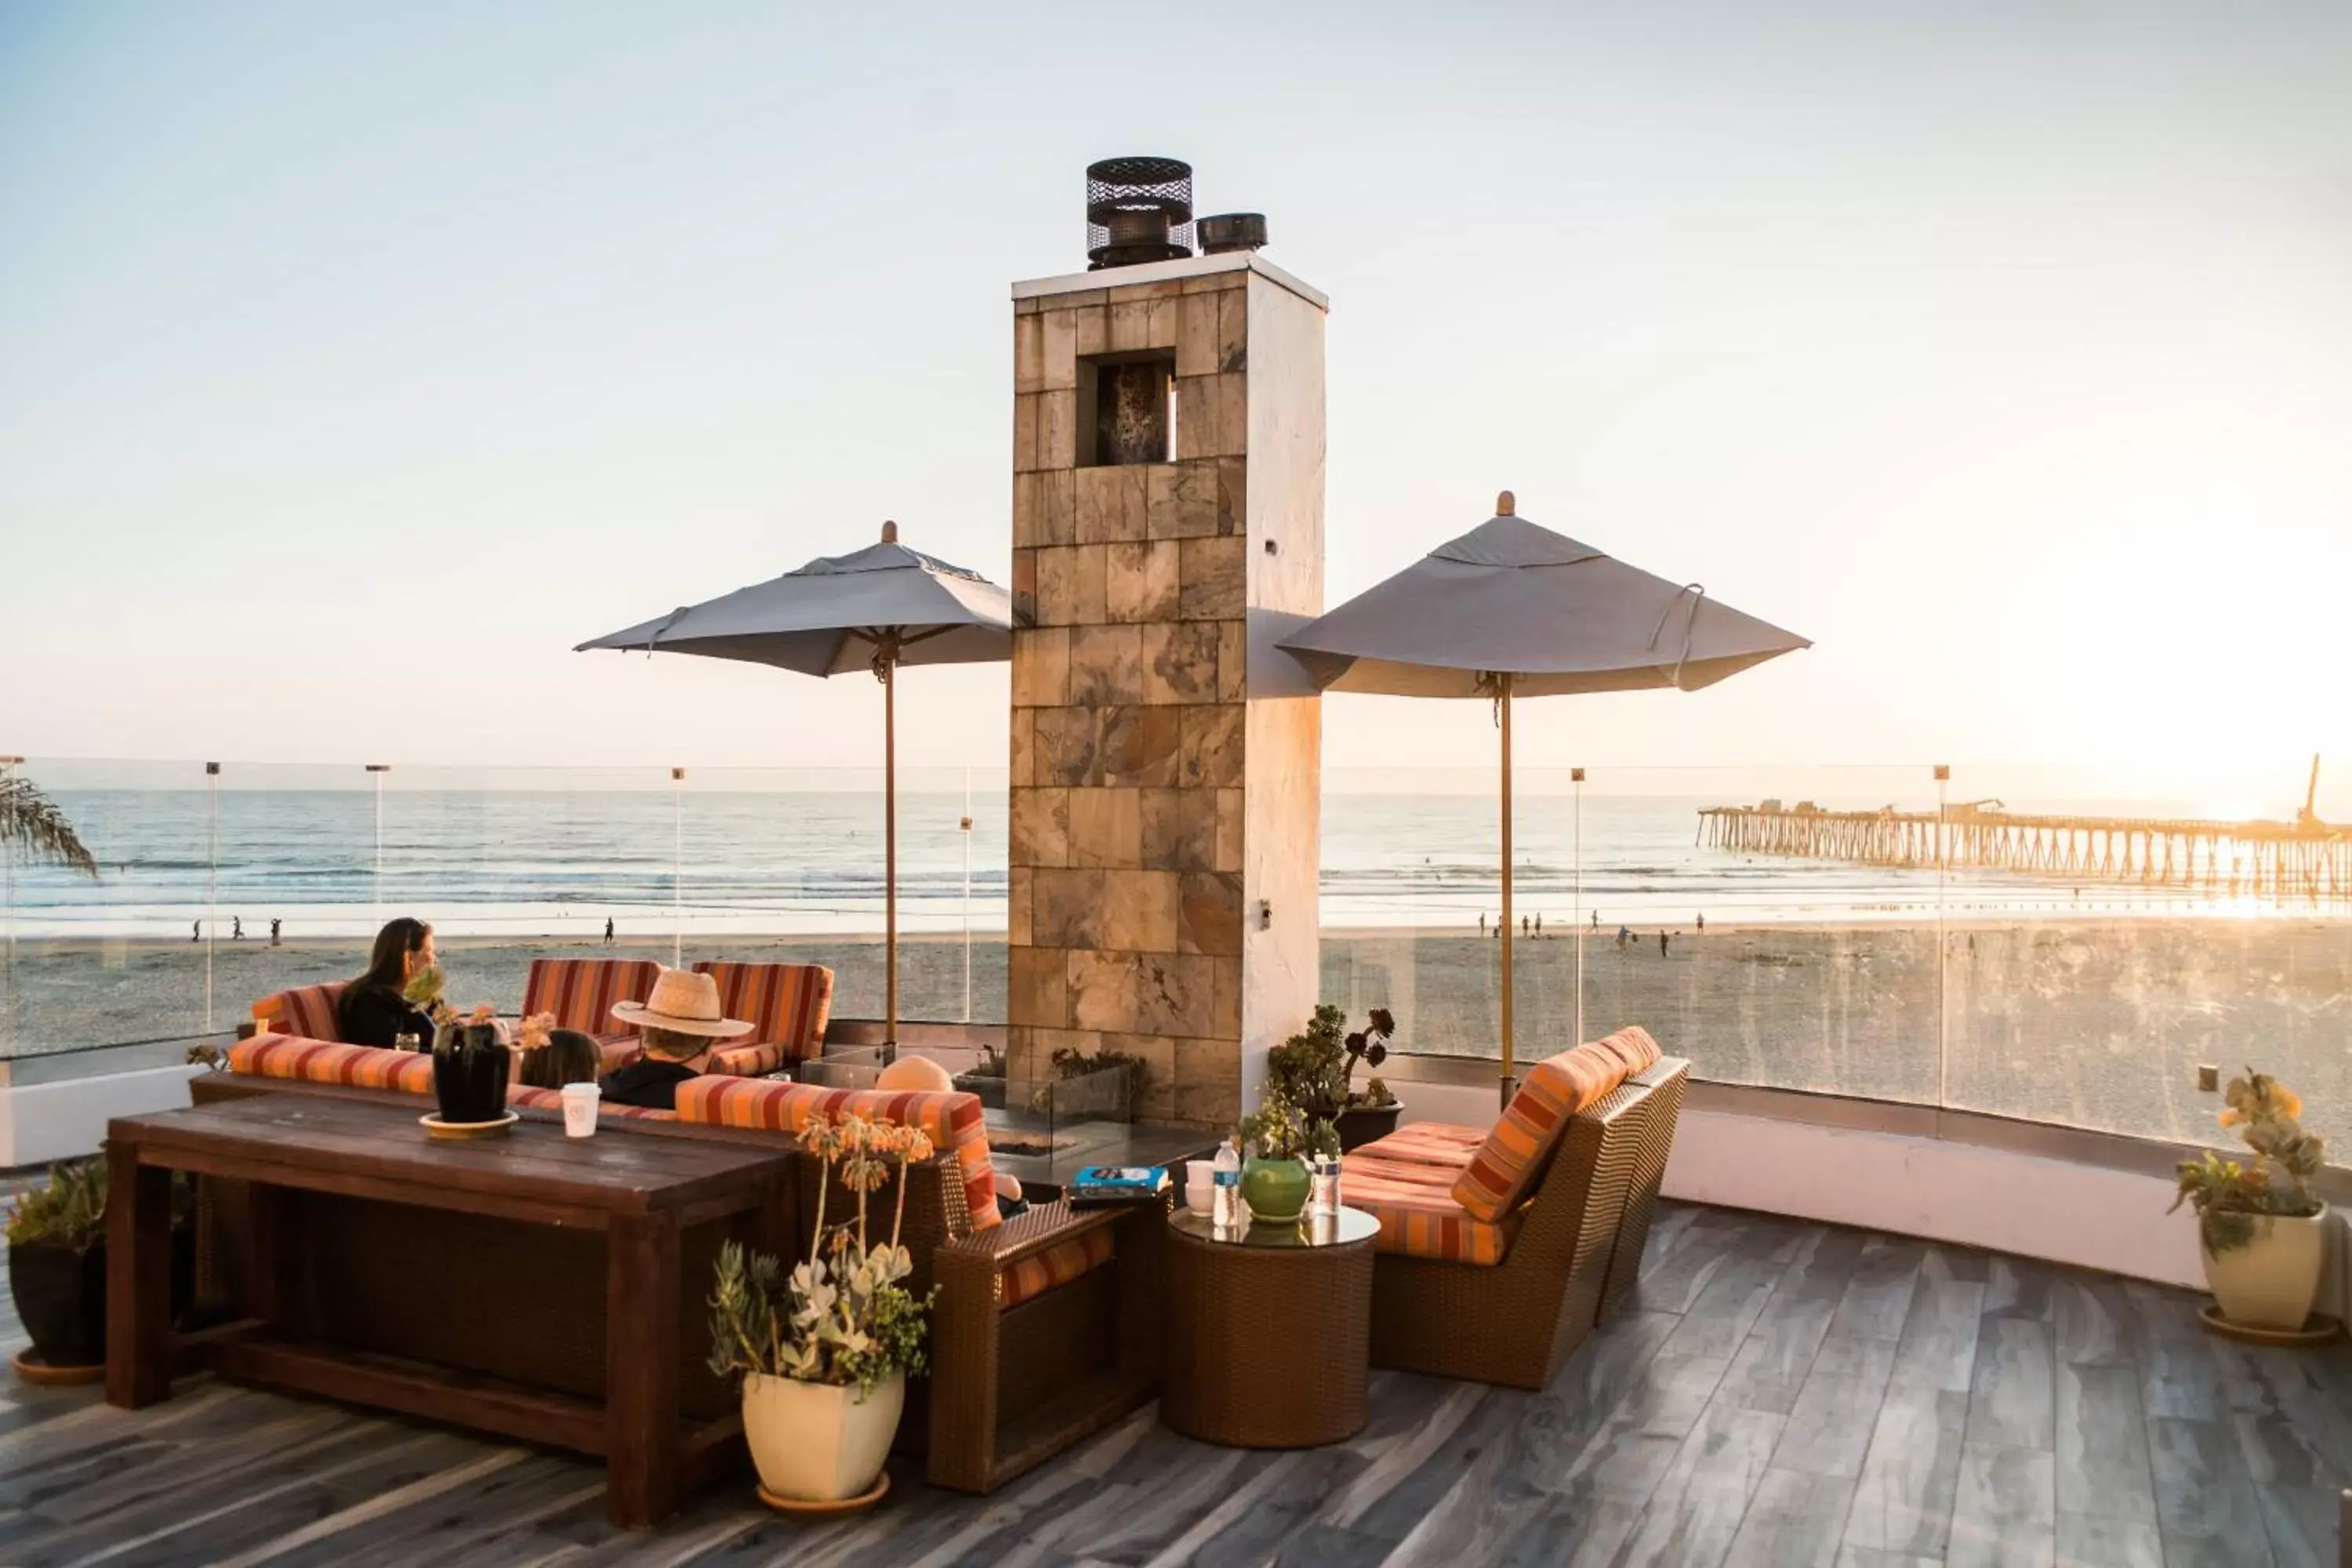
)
(608, 930)
(1662, 944)
(236, 928)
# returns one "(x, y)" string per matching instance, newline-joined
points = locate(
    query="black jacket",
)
(376, 1014)
(649, 1082)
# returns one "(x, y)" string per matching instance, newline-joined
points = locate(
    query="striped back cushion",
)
(305, 1010)
(1507, 1166)
(954, 1122)
(538, 1098)
(787, 1005)
(324, 1061)
(581, 991)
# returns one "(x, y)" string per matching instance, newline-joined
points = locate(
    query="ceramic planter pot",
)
(1276, 1190)
(820, 1442)
(2272, 1281)
(470, 1065)
(60, 1296)
(1362, 1124)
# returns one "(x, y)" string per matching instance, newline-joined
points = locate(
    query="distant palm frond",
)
(30, 818)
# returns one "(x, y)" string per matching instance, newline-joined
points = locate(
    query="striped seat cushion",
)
(305, 1010)
(326, 1061)
(954, 1122)
(1427, 1143)
(1419, 1218)
(538, 1098)
(1509, 1163)
(787, 1005)
(1032, 1276)
(581, 991)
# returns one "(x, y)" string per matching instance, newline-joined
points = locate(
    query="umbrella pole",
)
(1510, 1081)
(889, 670)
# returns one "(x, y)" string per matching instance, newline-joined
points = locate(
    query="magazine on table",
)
(1098, 1185)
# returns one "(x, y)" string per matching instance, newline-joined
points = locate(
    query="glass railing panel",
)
(2105, 939)
(1786, 966)
(126, 956)
(785, 865)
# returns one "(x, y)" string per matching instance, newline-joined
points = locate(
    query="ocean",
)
(497, 862)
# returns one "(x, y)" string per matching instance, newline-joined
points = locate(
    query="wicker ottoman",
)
(1268, 1331)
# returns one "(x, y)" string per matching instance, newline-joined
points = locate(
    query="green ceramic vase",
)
(1276, 1190)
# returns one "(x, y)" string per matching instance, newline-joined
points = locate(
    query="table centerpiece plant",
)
(1316, 1071)
(471, 1059)
(2260, 1230)
(1276, 1141)
(824, 1350)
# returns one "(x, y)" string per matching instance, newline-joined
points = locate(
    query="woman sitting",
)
(566, 1055)
(680, 1023)
(375, 1009)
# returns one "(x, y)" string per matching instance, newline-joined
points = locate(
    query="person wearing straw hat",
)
(679, 1023)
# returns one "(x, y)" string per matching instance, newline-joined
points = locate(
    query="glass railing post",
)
(1943, 943)
(678, 867)
(212, 880)
(967, 895)
(8, 918)
(1576, 858)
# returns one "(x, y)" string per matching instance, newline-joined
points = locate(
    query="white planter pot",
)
(2272, 1281)
(820, 1442)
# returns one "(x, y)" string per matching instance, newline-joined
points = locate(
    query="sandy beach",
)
(2096, 1022)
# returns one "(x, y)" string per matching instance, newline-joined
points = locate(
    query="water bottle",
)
(1225, 1212)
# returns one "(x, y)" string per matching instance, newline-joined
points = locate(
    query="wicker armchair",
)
(1578, 1248)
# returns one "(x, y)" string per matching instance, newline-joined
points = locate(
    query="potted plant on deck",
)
(825, 1351)
(2261, 1231)
(56, 1270)
(1276, 1141)
(1315, 1070)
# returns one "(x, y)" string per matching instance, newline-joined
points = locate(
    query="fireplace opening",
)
(1127, 409)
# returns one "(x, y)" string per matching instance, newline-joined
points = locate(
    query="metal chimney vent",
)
(1137, 210)
(1231, 231)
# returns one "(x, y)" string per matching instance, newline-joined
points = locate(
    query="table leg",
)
(641, 1351)
(138, 1280)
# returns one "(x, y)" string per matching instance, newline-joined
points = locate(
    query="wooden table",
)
(640, 1192)
(1267, 1332)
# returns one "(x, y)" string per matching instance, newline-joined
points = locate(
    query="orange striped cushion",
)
(1058, 1265)
(1427, 1143)
(581, 991)
(532, 1095)
(305, 1010)
(324, 1061)
(787, 1005)
(955, 1122)
(1508, 1163)
(1418, 1217)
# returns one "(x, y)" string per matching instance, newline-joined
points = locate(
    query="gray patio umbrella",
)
(872, 610)
(1511, 609)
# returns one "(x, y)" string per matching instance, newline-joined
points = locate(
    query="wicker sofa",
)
(1046, 1327)
(787, 1005)
(1500, 1249)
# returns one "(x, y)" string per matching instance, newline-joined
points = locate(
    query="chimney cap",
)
(889, 533)
(1507, 505)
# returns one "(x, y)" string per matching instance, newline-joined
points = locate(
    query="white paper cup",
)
(580, 1102)
(1200, 1187)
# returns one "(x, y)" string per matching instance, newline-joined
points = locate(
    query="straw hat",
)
(684, 1002)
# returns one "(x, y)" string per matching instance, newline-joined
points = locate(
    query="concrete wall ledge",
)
(64, 1119)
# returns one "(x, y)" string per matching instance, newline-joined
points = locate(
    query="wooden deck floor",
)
(1781, 1392)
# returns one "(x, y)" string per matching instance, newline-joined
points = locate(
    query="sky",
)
(358, 361)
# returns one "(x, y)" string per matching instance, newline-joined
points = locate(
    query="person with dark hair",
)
(568, 1057)
(375, 1009)
(680, 1025)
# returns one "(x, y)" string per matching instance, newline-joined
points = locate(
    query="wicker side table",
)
(1268, 1331)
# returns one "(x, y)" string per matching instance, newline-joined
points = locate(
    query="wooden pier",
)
(2306, 859)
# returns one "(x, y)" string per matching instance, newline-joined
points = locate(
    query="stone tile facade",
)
(1131, 692)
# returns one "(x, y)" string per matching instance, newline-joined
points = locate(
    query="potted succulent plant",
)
(471, 1059)
(2262, 1232)
(1276, 1141)
(1316, 1069)
(56, 1266)
(826, 1350)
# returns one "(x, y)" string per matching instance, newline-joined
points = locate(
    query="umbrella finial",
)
(889, 533)
(1504, 503)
